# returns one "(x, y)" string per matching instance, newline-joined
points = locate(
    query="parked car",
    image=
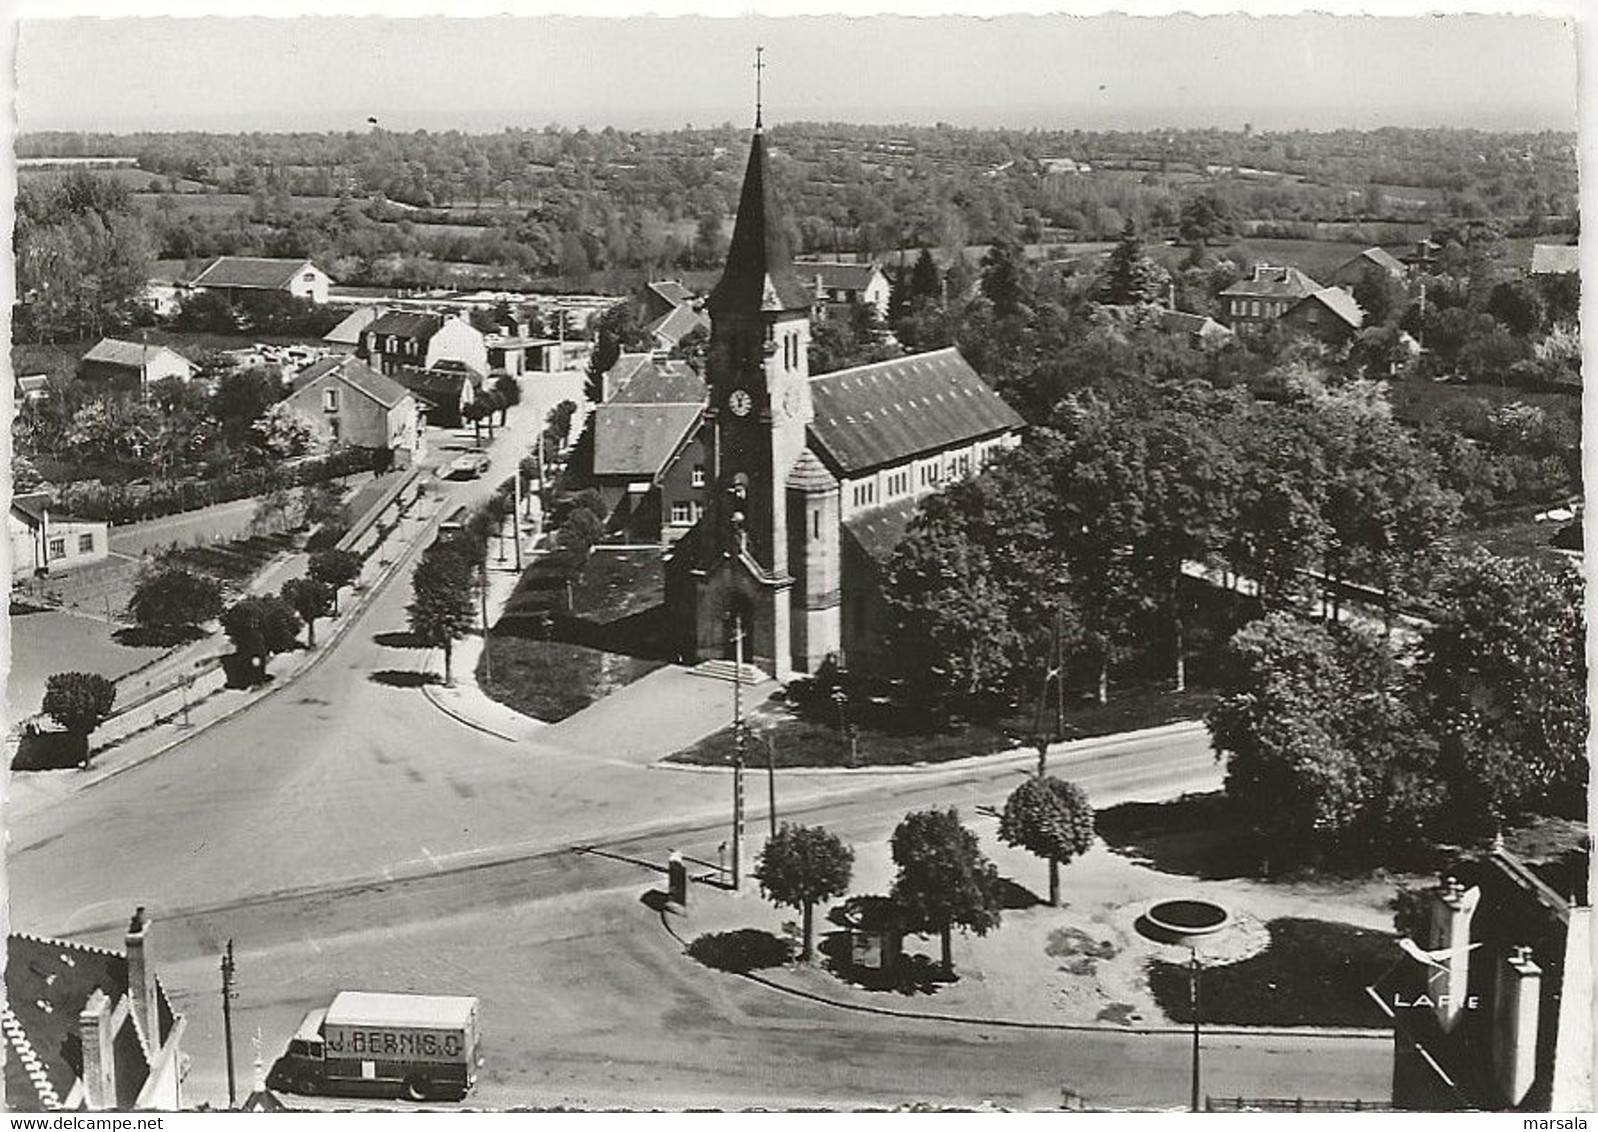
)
(468, 467)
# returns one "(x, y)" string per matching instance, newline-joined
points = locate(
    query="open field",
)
(226, 204)
(139, 180)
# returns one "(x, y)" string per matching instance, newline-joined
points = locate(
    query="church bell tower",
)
(754, 430)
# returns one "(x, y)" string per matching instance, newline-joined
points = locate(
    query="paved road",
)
(347, 834)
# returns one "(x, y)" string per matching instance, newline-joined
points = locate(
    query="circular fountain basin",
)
(1183, 922)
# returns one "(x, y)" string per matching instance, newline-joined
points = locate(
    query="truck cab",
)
(303, 1068)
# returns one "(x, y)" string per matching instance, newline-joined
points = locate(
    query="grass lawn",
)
(548, 662)
(551, 680)
(1520, 537)
(1314, 973)
(1421, 401)
(618, 583)
(902, 741)
(226, 204)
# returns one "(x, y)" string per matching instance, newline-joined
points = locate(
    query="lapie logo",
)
(1437, 965)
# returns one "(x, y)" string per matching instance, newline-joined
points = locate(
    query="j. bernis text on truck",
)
(368, 1044)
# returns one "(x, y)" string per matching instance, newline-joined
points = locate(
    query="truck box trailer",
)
(367, 1043)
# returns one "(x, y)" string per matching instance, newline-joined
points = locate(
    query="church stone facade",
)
(810, 481)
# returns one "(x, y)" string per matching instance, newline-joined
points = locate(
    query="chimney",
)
(142, 993)
(1452, 907)
(1517, 994)
(99, 1054)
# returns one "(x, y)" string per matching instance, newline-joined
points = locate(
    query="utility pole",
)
(482, 598)
(227, 1022)
(1052, 669)
(738, 751)
(771, 783)
(516, 515)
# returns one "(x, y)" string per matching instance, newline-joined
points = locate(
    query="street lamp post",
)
(1185, 922)
(1193, 1005)
(738, 751)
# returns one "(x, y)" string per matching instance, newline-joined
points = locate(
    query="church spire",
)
(759, 66)
(759, 275)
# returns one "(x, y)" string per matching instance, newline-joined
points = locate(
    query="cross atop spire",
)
(760, 65)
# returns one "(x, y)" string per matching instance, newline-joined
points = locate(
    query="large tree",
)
(311, 599)
(1279, 530)
(261, 627)
(951, 620)
(1130, 276)
(241, 399)
(1314, 732)
(1189, 484)
(1051, 819)
(79, 702)
(1503, 677)
(1098, 477)
(441, 600)
(801, 866)
(944, 881)
(1006, 282)
(1204, 220)
(338, 568)
(84, 253)
(171, 601)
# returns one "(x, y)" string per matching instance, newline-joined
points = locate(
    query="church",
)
(806, 484)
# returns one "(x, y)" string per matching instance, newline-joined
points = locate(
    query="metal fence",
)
(1292, 1104)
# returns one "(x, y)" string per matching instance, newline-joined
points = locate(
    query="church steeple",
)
(759, 275)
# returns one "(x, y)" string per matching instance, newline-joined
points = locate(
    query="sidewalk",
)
(464, 700)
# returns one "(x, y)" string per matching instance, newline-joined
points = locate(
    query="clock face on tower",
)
(792, 401)
(738, 401)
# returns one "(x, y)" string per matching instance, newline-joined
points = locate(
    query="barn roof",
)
(251, 272)
(838, 276)
(131, 355)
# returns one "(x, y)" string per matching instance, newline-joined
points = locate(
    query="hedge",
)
(132, 503)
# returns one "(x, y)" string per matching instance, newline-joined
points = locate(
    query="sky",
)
(1313, 72)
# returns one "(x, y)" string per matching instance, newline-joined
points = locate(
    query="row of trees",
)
(1341, 748)
(1084, 530)
(944, 880)
(173, 603)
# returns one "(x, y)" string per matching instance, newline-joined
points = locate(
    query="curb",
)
(458, 716)
(324, 650)
(1026, 755)
(1331, 1032)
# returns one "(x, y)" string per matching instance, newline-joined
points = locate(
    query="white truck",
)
(367, 1043)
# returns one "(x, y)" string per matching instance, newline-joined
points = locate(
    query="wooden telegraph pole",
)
(227, 1022)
